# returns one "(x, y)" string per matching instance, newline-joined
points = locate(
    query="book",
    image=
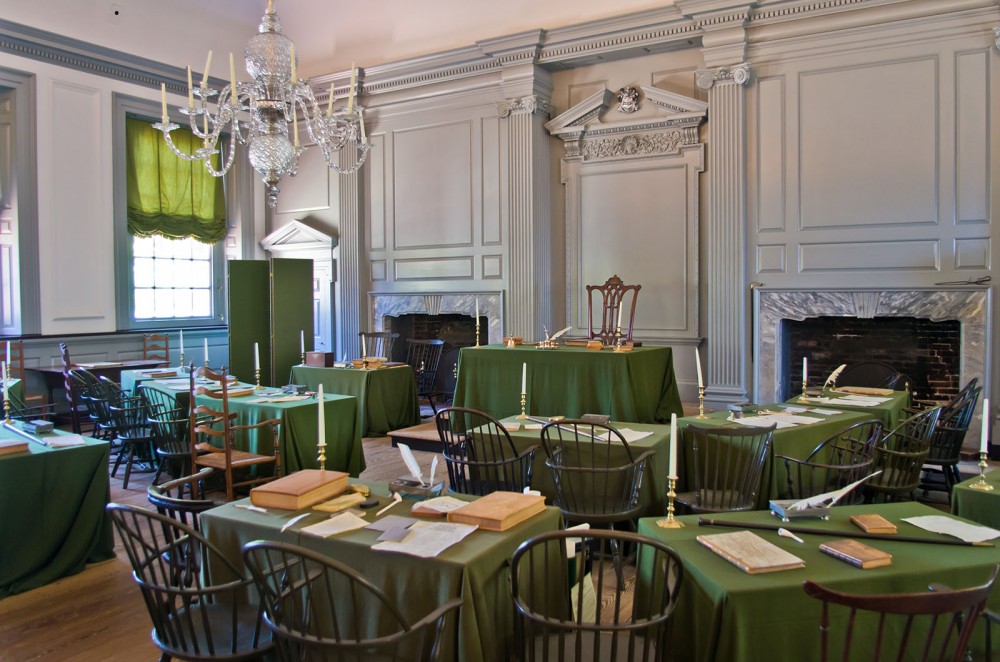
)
(498, 511)
(299, 490)
(856, 553)
(10, 446)
(873, 523)
(751, 553)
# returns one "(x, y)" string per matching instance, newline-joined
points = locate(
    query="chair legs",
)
(129, 455)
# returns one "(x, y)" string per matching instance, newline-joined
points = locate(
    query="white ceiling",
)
(329, 34)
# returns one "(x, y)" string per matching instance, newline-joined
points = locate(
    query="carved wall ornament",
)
(739, 74)
(996, 35)
(628, 99)
(633, 146)
(529, 104)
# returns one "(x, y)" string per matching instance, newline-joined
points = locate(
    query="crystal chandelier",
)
(273, 100)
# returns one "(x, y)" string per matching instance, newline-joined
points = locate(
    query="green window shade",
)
(167, 195)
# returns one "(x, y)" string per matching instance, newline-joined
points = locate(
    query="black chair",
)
(617, 304)
(424, 356)
(479, 453)
(873, 374)
(299, 589)
(377, 343)
(726, 469)
(611, 610)
(596, 475)
(134, 434)
(171, 440)
(941, 466)
(78, 413)
(900, 457)
(158, 400)
(194, 617)
(836, 462)
(935, 625)
(97, 397)
(183, 499)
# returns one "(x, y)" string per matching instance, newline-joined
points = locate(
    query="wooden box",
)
(320, 359)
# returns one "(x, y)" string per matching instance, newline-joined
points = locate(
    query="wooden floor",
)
(98, 615)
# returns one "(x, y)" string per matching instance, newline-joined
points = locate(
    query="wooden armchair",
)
(156, 346)
(614, 296)
(13, 354)
(424, 356)
(219, 425)
(377, 343)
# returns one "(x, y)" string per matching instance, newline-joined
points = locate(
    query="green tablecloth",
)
(890, 412)
(474, 569)
(298, 433)
(636, 386)
(132, 378)
(725, 614)
(652, 496)
(387, 398)
(981, 506)
(795, 442)
(52, 519)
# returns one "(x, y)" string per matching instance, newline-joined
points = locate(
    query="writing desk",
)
(889, 412)
(797, 442)
(636, 386)
(474, 569)
(387, 397)
(52, 377)
(52, 519)
(725, 614)
(978, 505)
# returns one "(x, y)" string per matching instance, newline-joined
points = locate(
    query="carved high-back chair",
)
(156, 346)
(612, 297)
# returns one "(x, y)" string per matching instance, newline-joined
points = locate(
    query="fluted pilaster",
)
(352, 289)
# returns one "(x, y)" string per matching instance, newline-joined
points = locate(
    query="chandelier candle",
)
(208, 65)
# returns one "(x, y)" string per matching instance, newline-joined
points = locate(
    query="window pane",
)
(173, 279)
(143, 304)
(142, 247)
(143, 272)
(202, 303)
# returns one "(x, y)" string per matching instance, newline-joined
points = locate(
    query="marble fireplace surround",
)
(385, 306)
(970, 306)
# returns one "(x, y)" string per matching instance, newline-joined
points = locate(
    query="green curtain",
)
(167, 195)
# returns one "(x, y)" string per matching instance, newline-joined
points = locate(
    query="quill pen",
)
(559, 333)
(829, 498)
(411, 462)
(832, 379)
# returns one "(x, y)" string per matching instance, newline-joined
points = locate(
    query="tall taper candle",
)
(7, 356)
(206, 350)
(672, 466)
(190, 89)
(182, 340)
(619, 329)
(208, 64)
(350, 96)
(697, 364)
(3, 367)
(524, 378)
(320, 421)
(985, 440)
(302, 341)
(163, 99)
(256, 356)
(329, 102)
(477, 311)
(805, 371)
(232, 76)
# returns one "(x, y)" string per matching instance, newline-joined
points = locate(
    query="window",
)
(170, 232)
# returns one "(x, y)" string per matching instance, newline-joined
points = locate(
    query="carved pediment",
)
(296, 235)
(670, 130)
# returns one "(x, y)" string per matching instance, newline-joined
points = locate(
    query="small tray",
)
(782, 509)
(414, 490)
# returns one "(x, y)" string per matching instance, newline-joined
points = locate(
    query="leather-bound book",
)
(299, 490)
(9, 446)
(856, 553)
(751, 553)
(873, 523)
(498, 511)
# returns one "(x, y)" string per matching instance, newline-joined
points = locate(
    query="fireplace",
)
(969, 307)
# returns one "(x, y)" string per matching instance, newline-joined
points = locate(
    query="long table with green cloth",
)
(298, 433)
(981, 506)
(724, 614)
(387, 397)
(636, 386)
(52, 518)
(474, 569)
(889, 412)
(653, 492)
(797, 442)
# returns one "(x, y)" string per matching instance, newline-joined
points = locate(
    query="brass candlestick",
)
(701, 402)
(670, 522)
(524, 404)
(182, 361)
(6, 411)
(618, 339)
(803, 397)
(302, 358)
(477, 332)
(256, 374)
(8, 369)
(982, 484)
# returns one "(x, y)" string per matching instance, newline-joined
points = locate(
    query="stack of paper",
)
(428, 539)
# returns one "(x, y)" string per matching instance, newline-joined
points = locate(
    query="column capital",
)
(739, 74)
(527, 105)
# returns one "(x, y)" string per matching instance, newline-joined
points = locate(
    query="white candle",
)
(477, 312)
(302, 342)
(295, 126)
(329, 102)
(321, 423)
(232, 77)
(163, 100)
(361, 121)
(208, 65)
(985, 435)
(805, 371)
(697, 364)
(294, 72)
(182, 340)
(524, 378)
(3, 366)
(206, 351)
(256, 356)
(190, 89)
(672, 467)
(7, 357)
(354, 81)
(619, 319)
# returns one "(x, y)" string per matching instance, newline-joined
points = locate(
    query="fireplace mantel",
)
(969, 305)
(392, 304)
